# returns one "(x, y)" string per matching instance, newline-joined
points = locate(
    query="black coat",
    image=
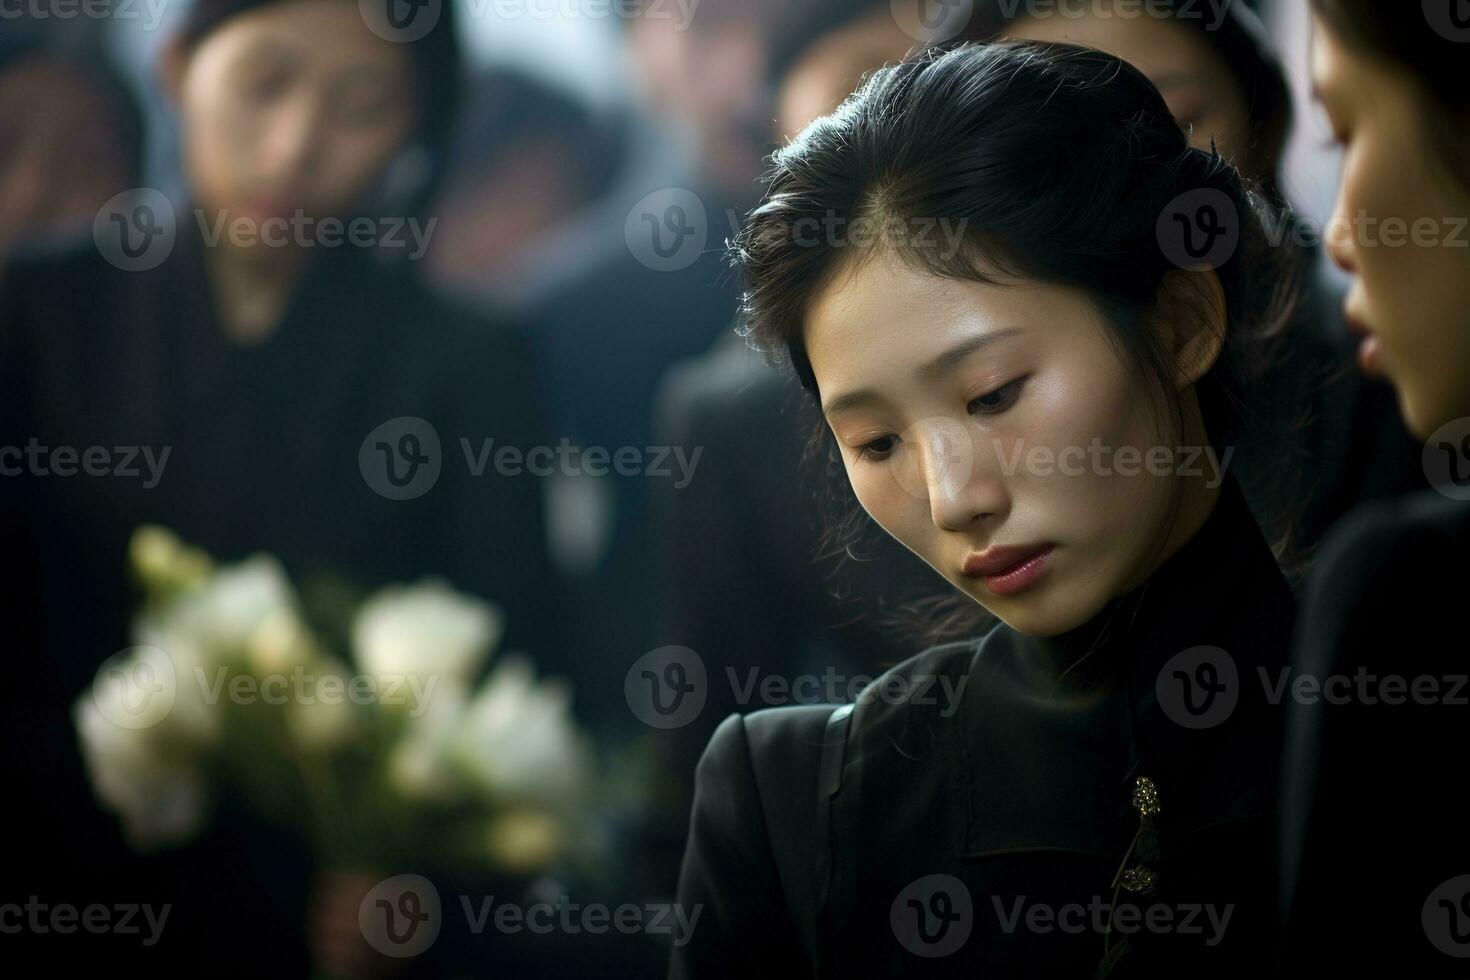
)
(811, 852)
(1376, 849)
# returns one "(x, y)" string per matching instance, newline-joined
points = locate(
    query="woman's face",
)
(1399, 227)
(1197, 84)
(974, 417)
(295, 106)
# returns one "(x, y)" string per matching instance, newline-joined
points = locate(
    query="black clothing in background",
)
(603, 340)
(1023, 794)
(263, 447)
(1376, 846)
(1327, 438)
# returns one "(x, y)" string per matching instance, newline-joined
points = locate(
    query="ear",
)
(173, 62)
(1191, 320)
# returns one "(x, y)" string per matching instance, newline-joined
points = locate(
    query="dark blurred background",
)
(551, 184)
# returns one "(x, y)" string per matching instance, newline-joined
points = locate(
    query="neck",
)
(1194, 501)
(251, 289)
(1194, 496)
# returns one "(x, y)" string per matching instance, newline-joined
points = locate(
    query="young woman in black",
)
(977, 268)
(1375, 851)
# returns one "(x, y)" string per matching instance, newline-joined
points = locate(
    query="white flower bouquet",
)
(390, 756)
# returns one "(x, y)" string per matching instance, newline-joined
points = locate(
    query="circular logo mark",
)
(668, 230)
(401, 459)
(1199, 688)
(400, 21)
(1199, 229)
(136, 229)
(1450, 19)
(400, 917)
(1446, 917)
(933, 21)
(933, 916)
(950, 458)
(1446, 459)
(666, 688)
(136, 687)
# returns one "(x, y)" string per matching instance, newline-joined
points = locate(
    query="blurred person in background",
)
(71, 137)
(256, 371)
(654, 292)
(1376, 861)
(757, 579)
(527, 158)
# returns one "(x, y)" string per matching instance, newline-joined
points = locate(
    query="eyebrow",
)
(937, 366)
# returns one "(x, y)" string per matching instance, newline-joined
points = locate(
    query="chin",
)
(1038, 612)
(1420, 423)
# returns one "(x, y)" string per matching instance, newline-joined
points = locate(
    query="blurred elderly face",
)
(1399, 227)
(967, 416)
(295, 106)
(57, 167)
(1195, 82)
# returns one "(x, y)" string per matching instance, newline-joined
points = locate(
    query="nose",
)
(1339, 239)
(961, 480)
(291, 144)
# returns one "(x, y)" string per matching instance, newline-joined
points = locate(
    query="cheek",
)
(1084, 419)
(894, 509)
(355, 156)
(1093, 400)
(219, 135)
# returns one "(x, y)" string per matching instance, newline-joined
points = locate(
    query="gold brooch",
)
(1146, 797)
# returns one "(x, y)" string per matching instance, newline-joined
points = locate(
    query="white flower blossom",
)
(518, 741)
(426, 634)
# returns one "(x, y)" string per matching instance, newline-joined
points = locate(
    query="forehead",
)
(880, 313)
(326, 32)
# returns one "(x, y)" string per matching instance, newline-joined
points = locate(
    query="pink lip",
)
(1370, 348)
(1008, 571)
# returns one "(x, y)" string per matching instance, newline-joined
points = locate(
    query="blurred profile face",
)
(834, 67)
(946, 396)
(296, 105)
(60, 166)
(1195, 82)
(1398, 217)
